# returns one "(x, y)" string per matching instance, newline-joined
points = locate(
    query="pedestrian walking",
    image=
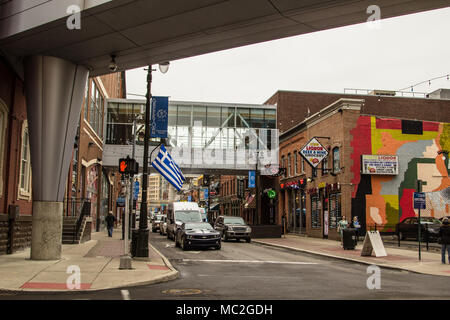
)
(356, 225)
(444, 239)
(342, 224)
(110, 219)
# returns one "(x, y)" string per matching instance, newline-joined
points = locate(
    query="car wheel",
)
(248, 240)
(176, 242)
(183, 244)
(218, 247)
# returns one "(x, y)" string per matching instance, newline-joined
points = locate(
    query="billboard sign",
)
(379, 164)
(314, 152)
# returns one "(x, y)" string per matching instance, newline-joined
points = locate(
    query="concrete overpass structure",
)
(42, 41)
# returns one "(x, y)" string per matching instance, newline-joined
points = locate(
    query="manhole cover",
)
(182, 292)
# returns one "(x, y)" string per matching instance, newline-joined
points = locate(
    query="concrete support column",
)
(54, 91)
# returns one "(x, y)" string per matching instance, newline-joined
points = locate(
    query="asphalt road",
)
(249, 271)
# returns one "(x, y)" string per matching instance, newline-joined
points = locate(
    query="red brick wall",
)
(292, 106)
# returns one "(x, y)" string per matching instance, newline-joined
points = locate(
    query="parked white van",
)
(179, 213)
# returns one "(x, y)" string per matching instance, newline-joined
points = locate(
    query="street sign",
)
(251, 179)
(160, 117)
(419, 200)
(314, 152)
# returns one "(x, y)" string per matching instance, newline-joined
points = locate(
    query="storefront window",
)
(335, 209)
(315, 212)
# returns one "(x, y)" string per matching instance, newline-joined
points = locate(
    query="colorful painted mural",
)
(419, 147)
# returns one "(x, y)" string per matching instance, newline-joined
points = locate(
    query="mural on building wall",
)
(419, 146)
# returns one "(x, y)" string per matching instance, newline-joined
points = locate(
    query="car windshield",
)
(192, 226)
(188, 216)
(234, 220)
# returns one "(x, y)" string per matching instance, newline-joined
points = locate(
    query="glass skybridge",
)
(202, 137)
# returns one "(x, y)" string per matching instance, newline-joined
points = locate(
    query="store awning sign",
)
(314, 152)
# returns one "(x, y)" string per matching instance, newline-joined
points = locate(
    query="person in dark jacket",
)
(110, 219)
(444, 234)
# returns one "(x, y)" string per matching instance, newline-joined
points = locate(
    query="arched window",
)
(25, 165)
(3, 125)
(336, 160)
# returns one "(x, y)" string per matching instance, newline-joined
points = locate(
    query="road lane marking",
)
(251, 261)
(125, 294)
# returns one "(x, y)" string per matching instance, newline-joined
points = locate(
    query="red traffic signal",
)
(128, 166)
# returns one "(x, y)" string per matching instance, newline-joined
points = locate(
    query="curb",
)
(338, 257)
(172, 275)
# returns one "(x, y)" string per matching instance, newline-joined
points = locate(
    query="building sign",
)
(314, 152)
(379, 164)
(160, 117)
(251, 179)
(419, 200)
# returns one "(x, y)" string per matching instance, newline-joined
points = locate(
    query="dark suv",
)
(231, 227)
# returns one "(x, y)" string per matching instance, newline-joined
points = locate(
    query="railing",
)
(73, 206)
(85, 212)
(426, 236)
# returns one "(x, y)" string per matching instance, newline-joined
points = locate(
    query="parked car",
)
(179, 213)
(197, 234)
(408, 228)
(231, 227)
(156, 221)
(163, 226)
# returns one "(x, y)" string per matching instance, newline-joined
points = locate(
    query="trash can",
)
(349, 238)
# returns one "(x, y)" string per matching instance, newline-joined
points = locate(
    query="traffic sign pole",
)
(419, 189)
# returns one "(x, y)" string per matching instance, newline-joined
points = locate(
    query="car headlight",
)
(189, 237)
(230, 228)
(248, 230)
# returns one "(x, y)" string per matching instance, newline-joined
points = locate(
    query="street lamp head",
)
(164, 66)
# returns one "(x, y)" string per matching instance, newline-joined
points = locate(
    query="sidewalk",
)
(98, 261)
(397, 258)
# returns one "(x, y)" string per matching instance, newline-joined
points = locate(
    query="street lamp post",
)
(143, 232)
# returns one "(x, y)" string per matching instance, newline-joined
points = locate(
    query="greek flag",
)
(165, 165)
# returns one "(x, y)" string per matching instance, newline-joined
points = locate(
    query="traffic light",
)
(128, 166)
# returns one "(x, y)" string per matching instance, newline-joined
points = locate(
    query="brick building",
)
(413, 131)
(88, 180)
(15, 167)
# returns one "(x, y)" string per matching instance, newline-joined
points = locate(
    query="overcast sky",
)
(404, 51)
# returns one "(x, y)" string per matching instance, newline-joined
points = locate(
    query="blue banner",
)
(136, 189)
(189, 198)
(160, 117)
(251, 179)
(206, 194)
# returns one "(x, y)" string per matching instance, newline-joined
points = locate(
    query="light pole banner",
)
(251, 179)
(160, 117)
